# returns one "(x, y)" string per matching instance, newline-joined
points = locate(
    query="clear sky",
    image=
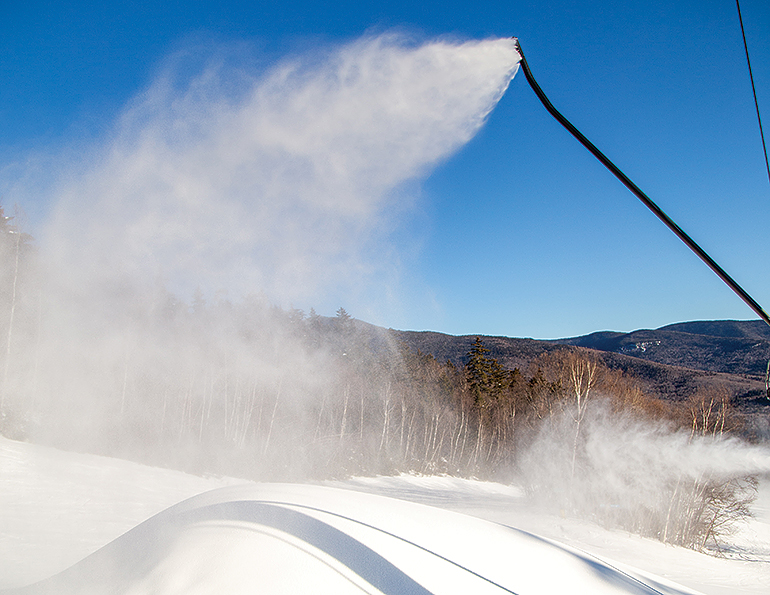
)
(521, 232)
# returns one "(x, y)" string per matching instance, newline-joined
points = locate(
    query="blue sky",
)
(521, 232)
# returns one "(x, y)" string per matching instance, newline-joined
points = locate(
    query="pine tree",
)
(486, 378)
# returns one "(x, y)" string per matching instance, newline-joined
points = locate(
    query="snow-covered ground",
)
(746, 572)
(57, 508)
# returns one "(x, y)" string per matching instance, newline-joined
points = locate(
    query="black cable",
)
(753, 89)
(638, 192)
(764, 147)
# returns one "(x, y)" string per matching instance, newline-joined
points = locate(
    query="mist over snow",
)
(60, 506)
(286, 182)
(644, 476)
(221, 193)
(632, 456)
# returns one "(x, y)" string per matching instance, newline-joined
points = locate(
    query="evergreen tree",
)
(486, 378)
(344, 325)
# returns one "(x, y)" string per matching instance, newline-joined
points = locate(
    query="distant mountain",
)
(727, 346)
(673, 362)
(756, 329)
(723, 346)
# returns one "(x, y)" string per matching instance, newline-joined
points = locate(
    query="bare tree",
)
(582, 377)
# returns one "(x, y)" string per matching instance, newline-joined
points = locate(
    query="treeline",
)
(257, 391)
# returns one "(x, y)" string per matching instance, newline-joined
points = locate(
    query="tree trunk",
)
(7, 367)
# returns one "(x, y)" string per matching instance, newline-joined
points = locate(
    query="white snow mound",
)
(283, 538)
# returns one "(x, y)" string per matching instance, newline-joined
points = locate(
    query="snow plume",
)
(286, 183)
(232, 191)
(643, 475)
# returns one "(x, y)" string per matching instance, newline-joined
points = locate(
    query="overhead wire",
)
(762, 136)
(753, 89)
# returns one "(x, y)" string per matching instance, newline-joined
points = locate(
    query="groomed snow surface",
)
(74, 523)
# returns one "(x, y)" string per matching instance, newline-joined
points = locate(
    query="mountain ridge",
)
(673, 362)
(727, 346)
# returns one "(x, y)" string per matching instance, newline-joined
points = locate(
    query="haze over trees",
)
(17, 310)
(253, 390)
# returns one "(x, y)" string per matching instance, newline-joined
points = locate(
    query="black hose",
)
(638, 192)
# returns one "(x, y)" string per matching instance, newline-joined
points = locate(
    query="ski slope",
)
(73, 523)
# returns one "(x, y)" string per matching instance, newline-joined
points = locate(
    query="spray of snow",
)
(286, 182)
(274, 187)
(631, 471)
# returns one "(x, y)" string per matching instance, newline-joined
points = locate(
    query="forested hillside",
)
(669, 364)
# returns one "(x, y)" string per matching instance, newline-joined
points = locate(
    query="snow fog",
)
(221, 196)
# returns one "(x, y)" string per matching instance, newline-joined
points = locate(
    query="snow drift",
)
(284, 538)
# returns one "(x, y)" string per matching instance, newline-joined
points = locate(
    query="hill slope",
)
(728, 346)
(673, 362)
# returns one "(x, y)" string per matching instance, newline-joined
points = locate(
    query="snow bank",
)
(349, 537)
(286, 538)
